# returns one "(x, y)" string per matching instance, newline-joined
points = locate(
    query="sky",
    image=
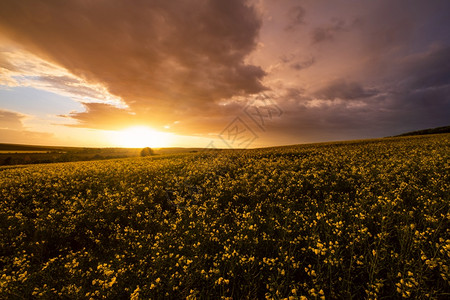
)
(224, 74)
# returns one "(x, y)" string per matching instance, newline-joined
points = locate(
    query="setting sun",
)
(141, 136)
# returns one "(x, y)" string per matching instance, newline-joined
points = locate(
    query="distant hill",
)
(444, 129)
(17, 148)
(20, 147)
(17, 154)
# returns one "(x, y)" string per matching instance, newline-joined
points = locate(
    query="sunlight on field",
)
(141, 136)
(351, 220)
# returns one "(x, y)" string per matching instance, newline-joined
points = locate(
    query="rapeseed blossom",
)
(365, 219)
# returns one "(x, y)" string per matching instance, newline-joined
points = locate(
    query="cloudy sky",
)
(237, 73)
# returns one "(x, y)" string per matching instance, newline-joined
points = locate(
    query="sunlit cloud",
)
(12, 130)
(191, 67)
(159, 57)
(21, 68)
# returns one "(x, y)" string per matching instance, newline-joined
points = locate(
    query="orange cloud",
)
(103, 116)
(160, 57)
(13, 131)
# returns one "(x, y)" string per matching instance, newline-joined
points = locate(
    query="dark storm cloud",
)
(314, 123)
(295, 17)
(326, 33)
(389, 31)
(153, 54)
(426, 70)
(287, 58)
(341, 89)
(397, 77)
(381, 114)
(413, 95)
(418, 91)
(297, 64)
(303, 64)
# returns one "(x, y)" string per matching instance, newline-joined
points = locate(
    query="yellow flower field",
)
(361, 219)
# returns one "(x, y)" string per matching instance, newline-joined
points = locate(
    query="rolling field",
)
(361, 219)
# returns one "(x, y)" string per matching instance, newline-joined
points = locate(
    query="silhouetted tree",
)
(147, 151)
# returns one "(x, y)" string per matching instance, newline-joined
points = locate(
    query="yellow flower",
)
(135, 294)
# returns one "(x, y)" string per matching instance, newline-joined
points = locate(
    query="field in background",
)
(362, 219)
(14, 154)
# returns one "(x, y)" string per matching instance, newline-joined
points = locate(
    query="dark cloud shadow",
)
(341, 89)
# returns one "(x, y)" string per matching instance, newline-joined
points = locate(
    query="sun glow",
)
(141, 136)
